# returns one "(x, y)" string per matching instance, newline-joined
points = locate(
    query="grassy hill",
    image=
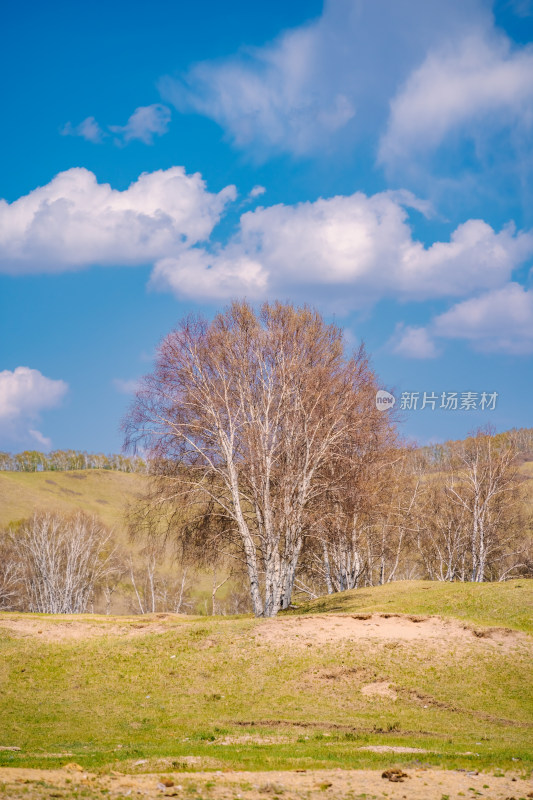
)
(508, 604)
(98, 491)
(303, 691)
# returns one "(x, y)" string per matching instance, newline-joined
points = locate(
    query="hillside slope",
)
(508, 604)
(98, 491)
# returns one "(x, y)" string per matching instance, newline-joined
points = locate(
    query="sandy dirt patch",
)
(325, 629)
(379, 689)
(305, 631)
(418, 784)
(70, 628)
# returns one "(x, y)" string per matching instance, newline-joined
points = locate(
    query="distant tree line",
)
(436, 456)
(62, 460)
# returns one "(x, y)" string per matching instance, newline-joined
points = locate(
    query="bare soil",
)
(74, 628)
(418, 784)
(305, 631)
(319, 630)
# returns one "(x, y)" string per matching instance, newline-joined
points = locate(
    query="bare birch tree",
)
(10, 574)
(245, 412)
(62, 559)
(483, 483)
(442, 536)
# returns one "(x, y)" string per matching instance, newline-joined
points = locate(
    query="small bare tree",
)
(63, 559)
(10, 574)
(245, 412)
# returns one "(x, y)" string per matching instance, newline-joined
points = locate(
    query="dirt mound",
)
(59, 628)
(325, 629)
(307, 631)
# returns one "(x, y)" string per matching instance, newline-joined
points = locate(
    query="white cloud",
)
(350, 249)
(476, 83)
(145, 123)
(497, 321)
(196, 274)
(74, 221)
(89, 130)
(324, 78)
(257, 191)
(346, 251)
(24, 394)
(413, 342)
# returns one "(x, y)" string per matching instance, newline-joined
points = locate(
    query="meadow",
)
(361, 680)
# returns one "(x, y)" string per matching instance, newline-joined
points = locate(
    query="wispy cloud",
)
(413, 342)
(475, 85)
(129, 386)
(89, 130)
(497, 321)
(324, 80)
(144, 124)
(257, 191)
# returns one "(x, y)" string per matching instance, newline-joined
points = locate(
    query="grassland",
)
(182, 694)
(102, 492)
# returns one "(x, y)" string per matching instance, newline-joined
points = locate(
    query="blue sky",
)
(370, 157)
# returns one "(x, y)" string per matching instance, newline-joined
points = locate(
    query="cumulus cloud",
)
(413, 342)
(24, 394)
(466, 85)
(354, 248)
(496, 321)
(348, 251)
(324, 78)
(74, 221)
(89, 130)
(145, 123)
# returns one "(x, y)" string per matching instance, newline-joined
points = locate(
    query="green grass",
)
(185, 690)
(508, 604)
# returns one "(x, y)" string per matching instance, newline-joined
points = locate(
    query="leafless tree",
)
(62, 560)
(483, 484)
(10, 574)
(245, 412)
(442, 536)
